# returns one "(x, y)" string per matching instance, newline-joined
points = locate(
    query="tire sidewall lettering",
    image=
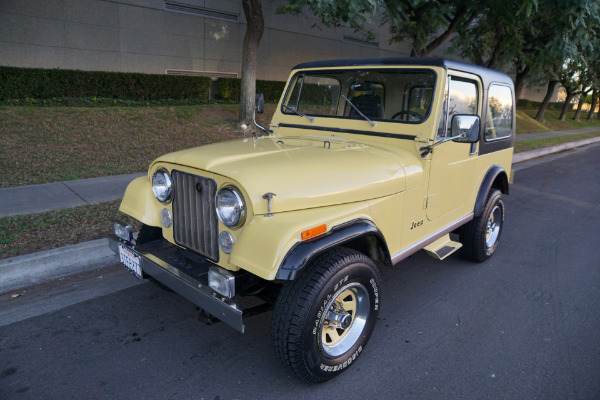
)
(345, 364)
(336, 365)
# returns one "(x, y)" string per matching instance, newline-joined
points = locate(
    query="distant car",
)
(365, 162)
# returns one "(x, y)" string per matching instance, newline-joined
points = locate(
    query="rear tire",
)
(481, 235)
(322, 321)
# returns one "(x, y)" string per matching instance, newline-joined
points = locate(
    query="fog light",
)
(221, 281)
(226, 241)
(123, 231)
(166, 218)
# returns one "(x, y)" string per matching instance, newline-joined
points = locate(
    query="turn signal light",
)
(313, 232)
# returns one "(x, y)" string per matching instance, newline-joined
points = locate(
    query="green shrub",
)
(105, 102)
(36, 83)
(272, 90)
(229, 89)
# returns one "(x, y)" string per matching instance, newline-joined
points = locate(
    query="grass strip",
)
(53, 144)
(24, 234)
(539, 143)
(526, 122)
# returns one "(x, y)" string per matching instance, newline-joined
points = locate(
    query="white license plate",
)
(131, 260)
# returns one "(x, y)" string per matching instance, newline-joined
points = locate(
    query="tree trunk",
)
(566, 106)
(590, 116)
(582, 98)
(254, 30)
(544, 105)
(520, 81)
(438, 41)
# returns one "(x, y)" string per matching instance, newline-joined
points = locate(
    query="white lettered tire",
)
(322, 321)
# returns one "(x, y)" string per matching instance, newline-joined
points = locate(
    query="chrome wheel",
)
(481, 235)
(494, 225)
(344, 319)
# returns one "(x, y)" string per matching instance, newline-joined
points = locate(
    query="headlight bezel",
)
(169, 184)
(241, 203)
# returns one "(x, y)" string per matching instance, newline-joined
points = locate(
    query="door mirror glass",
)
(467, 127)
(260, 103)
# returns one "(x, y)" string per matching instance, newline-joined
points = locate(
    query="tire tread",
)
(293, 306)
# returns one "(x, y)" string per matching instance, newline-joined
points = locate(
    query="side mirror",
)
(465, 128)
(260, 103)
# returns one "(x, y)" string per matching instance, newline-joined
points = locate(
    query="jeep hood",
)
(304, 172)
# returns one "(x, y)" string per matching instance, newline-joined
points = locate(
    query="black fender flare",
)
(495, 174)
(303, 252)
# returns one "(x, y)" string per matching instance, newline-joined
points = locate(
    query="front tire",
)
(323, 320)
(481, 235)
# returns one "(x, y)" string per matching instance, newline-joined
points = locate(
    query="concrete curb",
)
(30, 269)
(22, 271)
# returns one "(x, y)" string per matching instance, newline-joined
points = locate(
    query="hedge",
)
(525, 104)
(35, 83)
(229, 89)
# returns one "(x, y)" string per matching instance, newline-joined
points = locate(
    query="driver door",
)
(452, 179)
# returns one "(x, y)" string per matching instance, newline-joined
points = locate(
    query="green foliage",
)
(229, 89)
(337, 13)
(35, 83)
(428, 23)
(105, 102)
(496, 36)
(524, 104)
(272, 90)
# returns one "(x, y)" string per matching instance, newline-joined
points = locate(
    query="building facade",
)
(199, 37)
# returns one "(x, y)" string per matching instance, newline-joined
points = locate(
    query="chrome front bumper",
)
(186, 273)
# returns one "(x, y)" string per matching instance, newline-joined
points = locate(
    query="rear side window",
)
(498, 123)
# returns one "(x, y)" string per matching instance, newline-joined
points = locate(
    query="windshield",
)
(389, 95)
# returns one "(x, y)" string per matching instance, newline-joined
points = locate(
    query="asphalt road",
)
(524, 325)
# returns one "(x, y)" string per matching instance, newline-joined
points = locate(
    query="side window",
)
(462, 99)
(498, 122)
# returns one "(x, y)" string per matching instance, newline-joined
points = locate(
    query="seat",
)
(368, 104)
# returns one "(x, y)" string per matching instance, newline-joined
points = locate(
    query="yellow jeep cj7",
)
(365, 162)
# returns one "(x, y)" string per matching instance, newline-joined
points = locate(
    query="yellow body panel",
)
(140, 203)
(264, 242)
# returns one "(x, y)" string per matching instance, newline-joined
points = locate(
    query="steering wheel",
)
(418, 116)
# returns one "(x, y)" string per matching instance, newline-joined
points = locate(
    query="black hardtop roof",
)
(486, 74)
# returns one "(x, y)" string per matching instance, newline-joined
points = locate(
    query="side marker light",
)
(313, 232)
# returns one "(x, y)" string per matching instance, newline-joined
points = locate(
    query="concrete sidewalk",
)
(52, 196)
(23, 271)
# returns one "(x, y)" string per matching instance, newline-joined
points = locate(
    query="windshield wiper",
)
(292, 109)
(358, 111)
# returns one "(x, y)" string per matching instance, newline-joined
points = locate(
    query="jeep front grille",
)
(194, 215)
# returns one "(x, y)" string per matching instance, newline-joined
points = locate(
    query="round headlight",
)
(162, 186)
(230, 207)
